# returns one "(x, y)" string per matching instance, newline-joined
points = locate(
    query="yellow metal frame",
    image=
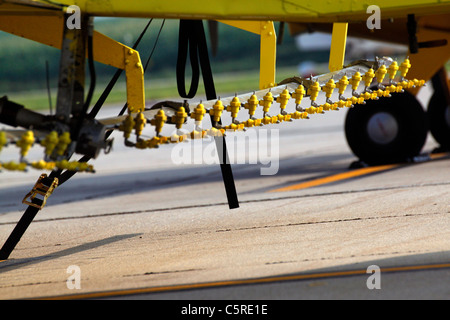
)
(268, 48)
(274, 10)
(49, 29)
(337, 49)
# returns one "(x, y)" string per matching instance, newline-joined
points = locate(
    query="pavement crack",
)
(326, 221)
(160, 272)
(206, 205)
(333, 258)
(28, 284)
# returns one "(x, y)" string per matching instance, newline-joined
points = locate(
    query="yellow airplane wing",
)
(277, 10)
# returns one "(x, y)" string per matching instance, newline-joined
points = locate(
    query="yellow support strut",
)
(268, 48)
(337, 49)
(48, 30)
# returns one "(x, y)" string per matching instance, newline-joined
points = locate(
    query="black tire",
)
(404, 140)
(439, 118)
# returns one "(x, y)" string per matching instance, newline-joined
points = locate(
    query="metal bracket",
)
(40, 189)
(337, 48)
(268, 48)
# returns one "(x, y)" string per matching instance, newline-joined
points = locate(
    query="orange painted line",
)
(350, 174)
(336, 177)
(245, 282)
(434, 156)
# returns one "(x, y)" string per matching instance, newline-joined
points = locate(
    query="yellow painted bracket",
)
(48, 30)
(268, 48)
(337, 49)
(135, 81)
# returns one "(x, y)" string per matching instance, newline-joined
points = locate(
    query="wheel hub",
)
(382, 128)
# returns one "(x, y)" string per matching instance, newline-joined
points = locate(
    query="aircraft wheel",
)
(439, 118)
(390, 130)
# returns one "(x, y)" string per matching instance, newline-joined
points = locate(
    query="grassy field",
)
(157, 89)
(238, 50)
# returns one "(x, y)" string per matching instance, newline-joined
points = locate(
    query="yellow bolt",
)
(216, 110)
(251, 105)
(419, 83)
(174, 138)
(356, 100)
(368, 77)
(266, 102)
(299, 94)
(158, 121)
(313, 91)
(196, 134)
(392, 70)
(342, 85)
(406, 84)
(26, 142)
(341, 104)
(232, 127)
(63, 164)
(141, 144)
(381, 72)
(14, 166)
(281, 117)
(326, 106)
(234, 107)
(366, 95)
(153, 142)
(214, 132)
(3, 140)
(84, 166)
(249, 123)
(179, 118)
(328, 88)
(140, 122)
(266, 120)
(382, 93)
(283, 99)
(393, 88)
(50, 142)
(163, 140)
(311, 110)
(235, 126)
(73, 166)
(404, 67)
(198, 113)
(63, 143)
(296, 115)
(355, 80)
(41, 164)
(127, 126)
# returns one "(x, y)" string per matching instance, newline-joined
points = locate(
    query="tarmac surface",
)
(146, 226)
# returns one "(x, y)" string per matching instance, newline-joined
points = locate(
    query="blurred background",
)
(23, 63)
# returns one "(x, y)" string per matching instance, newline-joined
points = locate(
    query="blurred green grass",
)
(156, 89)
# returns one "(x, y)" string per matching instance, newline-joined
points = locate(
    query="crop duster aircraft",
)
(385, 123)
